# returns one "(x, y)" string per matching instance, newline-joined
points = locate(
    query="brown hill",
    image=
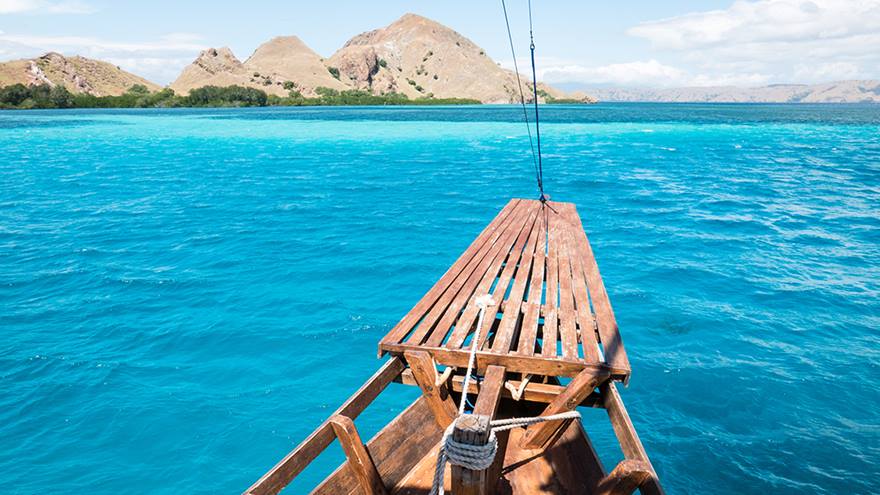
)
(414, 56)
(77, 74)
(278, 61)
(420, 57)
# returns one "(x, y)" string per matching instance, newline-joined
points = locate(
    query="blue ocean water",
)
(186, 294)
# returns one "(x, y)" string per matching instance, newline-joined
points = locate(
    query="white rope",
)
(517, 392)
(480, 457)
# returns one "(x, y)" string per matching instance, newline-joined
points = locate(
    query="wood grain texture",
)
(578, 389)
(438, 398)
(359, 460)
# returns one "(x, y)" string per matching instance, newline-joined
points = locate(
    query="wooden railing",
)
(635, 471)
(340, 422)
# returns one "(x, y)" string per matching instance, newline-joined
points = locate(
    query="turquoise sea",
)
(186, 294)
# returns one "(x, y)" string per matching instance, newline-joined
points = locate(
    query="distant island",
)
(414, 60)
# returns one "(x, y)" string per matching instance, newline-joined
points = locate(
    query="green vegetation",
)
(333, 72)
(19, 96)
(383, 63)
(550, 100)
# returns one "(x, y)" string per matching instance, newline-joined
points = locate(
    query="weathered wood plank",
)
(578, 389)
(550, 331)
(294, 462)
(625, 478)
(427, 301)
(466, 322)
(612, 344)
(359, 459)
(479, 282)
(475, 269)
(534, 392)
(438, 398)
(515, 363)
(519, 290)
(582, 304)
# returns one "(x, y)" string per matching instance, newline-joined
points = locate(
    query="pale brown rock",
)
(77, 74)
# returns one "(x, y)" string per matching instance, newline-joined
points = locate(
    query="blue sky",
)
(624, 43)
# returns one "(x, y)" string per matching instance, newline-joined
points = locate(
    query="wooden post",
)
(580, 387)
(474, 430)
(438, 398)
(359, 459)
(625, 478)
(488, 400)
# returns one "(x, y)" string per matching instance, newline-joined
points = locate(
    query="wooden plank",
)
(626, 434)
(359, 460)
(529, 332)
(566, 314)
(294, 462)
(393, 458)
(413, 316)
(589, 343)
(518, 292)
(612, 344)
(474, 270)
(581, 386)
(438, 398)
(534, 392)
(469, 316)
(549, 333)
(504, 280)
(514, 363)
(624, 479)
(479, 281)
(470, 429)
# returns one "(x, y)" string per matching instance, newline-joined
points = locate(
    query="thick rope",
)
(480, 457)
(537, 119)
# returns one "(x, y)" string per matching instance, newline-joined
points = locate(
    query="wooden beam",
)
(626, 434)
(294, 462)
(625, 478)
(359, 459)
(472, 429)
(515, 363)
(438, 398)
(534, 392)
(537, 435)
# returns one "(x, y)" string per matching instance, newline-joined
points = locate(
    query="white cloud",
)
(159, 60)
(44, 7)
(774, 40)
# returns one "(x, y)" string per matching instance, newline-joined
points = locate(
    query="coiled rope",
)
(479, 457)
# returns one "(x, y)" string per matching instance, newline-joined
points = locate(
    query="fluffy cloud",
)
(44, 7)
(778, 40)
(159, 60)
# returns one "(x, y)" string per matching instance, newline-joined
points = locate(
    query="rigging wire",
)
(536, 157)
(537, 120)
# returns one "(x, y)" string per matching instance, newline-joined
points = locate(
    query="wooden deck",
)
(552, 312)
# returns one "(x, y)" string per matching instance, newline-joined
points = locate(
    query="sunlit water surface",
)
(186, 294)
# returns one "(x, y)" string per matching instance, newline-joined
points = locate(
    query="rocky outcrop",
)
(414, 56)
(77, 74)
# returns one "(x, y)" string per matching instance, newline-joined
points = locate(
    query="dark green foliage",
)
(289, 85)
(383, 63)
(44, 96)
(333, 72)
(230, 96)
(14, 95)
